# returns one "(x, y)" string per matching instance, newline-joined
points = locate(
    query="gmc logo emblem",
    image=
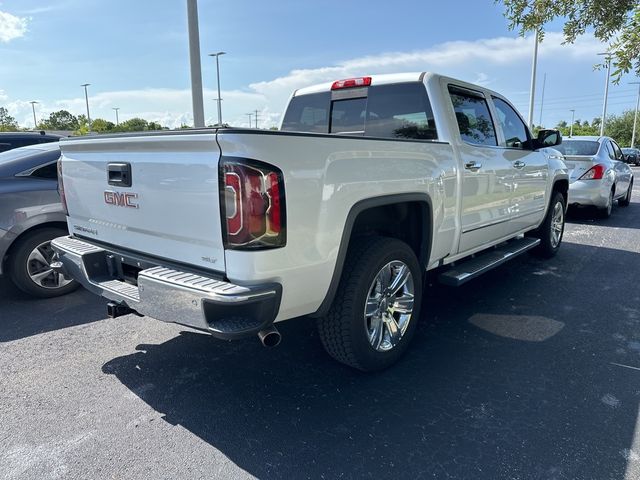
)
(120, 199)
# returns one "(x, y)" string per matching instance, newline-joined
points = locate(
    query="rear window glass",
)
(308, 113)
(389, 111)
(347, 116)
(400, 111)
(578, 147)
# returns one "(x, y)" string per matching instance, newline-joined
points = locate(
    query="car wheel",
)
(606, 211)
(626, 200)
(376, 308)
(29, 268)
(552, 229)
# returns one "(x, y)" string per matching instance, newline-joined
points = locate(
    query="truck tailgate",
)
(171, 208)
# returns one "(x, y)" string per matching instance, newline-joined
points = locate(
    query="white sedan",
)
(598, 175)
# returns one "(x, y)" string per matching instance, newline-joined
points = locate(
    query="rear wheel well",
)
(405, 221)
(16, 241)
(406, 217)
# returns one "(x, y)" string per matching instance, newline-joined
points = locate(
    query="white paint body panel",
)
(176, 177)
(176, 182)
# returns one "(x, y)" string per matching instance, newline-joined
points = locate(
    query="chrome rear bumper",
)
(167, 293)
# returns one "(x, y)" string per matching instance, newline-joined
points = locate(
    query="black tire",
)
(547, 247)
(605, 212)
(343, 331)
(626, 200)
(18, 264)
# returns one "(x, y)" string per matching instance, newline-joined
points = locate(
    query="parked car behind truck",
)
(371, 182)
(598, 175)
(31, 215)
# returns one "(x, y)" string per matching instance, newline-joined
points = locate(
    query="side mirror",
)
(548, 138)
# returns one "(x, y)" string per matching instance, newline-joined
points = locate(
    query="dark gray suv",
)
(31, 215)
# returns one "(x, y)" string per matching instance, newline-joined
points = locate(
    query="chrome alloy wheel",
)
(389, 306)
(39, 270)
(557, 224)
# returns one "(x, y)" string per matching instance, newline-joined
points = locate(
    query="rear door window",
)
(48, 172)
(610, 151)
(473, 117)
(616, 151)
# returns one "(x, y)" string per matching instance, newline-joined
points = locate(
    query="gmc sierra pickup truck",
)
(369, 183)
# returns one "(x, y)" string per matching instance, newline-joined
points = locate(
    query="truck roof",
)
(375, 80)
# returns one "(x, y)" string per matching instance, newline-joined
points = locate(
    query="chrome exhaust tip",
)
(270, 337)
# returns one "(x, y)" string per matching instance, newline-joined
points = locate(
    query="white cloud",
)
(12, 27)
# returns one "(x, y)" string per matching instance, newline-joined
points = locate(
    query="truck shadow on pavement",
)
(23, 316)
(519, 375)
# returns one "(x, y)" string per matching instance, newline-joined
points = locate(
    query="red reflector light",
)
(594, 173)
(351, 82)
(252, 205)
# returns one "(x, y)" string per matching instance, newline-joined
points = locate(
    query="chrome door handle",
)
(472, 165)
(519, 164)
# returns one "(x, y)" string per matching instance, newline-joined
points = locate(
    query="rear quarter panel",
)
(325, 176)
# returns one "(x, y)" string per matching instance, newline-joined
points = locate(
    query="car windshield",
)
(578, 147)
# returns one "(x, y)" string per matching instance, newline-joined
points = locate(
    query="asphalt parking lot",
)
(532, 371)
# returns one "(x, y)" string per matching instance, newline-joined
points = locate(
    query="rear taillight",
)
(253, 206)
(63, 199)
(594, 173)
(351, 82)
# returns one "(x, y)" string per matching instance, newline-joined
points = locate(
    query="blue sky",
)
(135, 55)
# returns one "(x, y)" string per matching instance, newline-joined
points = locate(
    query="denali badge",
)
(120, 199)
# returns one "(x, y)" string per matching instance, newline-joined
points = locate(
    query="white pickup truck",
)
(369, 183)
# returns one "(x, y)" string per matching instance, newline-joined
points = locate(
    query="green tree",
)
(155, 126)
(620, 127)
(133, 125)
(7, 122)
(580, 128)
(101, 125)
(616, 22)
(60, 120)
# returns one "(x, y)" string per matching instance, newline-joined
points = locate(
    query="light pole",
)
(573, 114)
(116, 109)
(544, 84)
(606, 93)
(86, 98)
(194, 60)
(217, 55)
(33, 108)
(635, 117)
(534, 65)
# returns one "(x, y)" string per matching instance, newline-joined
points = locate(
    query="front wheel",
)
(376, 308)
(552, 228)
